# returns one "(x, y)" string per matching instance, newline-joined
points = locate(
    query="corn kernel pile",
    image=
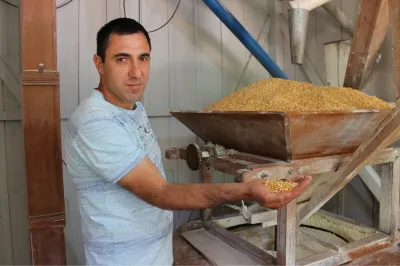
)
(276, 186)
(282, 95)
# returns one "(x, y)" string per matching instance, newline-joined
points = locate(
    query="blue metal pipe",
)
(245, 37)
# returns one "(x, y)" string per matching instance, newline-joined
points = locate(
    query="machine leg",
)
(286, 240)
(206, 177)
(389, 203)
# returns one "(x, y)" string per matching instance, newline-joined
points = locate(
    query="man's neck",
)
(109, 97)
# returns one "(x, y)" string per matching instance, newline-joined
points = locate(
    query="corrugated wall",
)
(196, 61)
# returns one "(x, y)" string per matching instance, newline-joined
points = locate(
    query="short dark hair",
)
(119, 26)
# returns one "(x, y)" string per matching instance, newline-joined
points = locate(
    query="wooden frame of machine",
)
(245, 167)
(235, 144)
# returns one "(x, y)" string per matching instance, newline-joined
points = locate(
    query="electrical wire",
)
(124, 4)
(66, 3)
(173, 14)
(60, 6)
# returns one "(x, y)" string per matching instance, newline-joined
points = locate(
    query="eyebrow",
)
(121, 54)
(128, 55)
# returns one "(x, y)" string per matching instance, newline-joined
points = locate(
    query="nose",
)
(135, 71)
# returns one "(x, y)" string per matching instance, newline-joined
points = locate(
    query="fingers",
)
(280, 205)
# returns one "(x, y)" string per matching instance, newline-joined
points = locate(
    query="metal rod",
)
(245, 37)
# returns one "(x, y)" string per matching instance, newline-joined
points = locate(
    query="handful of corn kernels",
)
(276, 186)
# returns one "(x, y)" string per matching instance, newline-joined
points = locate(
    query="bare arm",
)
(146, 182)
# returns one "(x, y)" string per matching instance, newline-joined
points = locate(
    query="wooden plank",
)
(10, 115)
(215, 250)
(183, 91)
(370, 31)
(17, 192)
(18, 214)
(286, 240)
(208, 55)
(389, 202)
(317, 238)
(89, 25)
(387, 256)
(360, 158)
(6, 251)
(394, 11)
(68, 52)
(182, 55)
(275, 38)
(256, 20)
(288, 67)
(156, 97)
(331, 51)
(240, 244)
(327, 30)
(11, 54)
(42, 133)
(233, 51)
(348, 252)
(312, 166)
(372, 180)
(186, 254)
(9, 79)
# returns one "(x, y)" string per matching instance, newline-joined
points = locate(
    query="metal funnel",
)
(298, 21)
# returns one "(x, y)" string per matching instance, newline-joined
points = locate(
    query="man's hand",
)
(260, 193)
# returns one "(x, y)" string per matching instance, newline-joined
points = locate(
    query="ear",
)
(98, 63)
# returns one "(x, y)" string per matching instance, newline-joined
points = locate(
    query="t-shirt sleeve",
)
(108, 149)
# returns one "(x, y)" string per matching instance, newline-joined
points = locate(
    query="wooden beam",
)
(348, 252)
(389, 202)
(9, 79)
(372, 180)
(240, 244)
(370, 31)
(311, 166)
(10, 115)
(389, 127)
(286, 239)
(394, 11)
(42, 131)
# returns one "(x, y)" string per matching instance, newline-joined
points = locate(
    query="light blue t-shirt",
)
(103, 142)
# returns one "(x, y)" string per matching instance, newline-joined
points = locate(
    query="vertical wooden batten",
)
(394, 11)
(42, 131)
(369, 33)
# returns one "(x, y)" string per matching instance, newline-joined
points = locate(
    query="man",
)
(115, 162)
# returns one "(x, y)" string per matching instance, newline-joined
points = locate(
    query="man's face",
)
(125, 71)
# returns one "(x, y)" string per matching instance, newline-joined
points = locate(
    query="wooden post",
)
(286, 240)
(370, 31)
(389, 202)
(394, 11)
(206, 177)
(42, 131)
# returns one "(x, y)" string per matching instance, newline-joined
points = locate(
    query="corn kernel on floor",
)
(282, 95)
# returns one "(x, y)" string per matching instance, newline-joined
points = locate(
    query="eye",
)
(121, 59)
(144, 58)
